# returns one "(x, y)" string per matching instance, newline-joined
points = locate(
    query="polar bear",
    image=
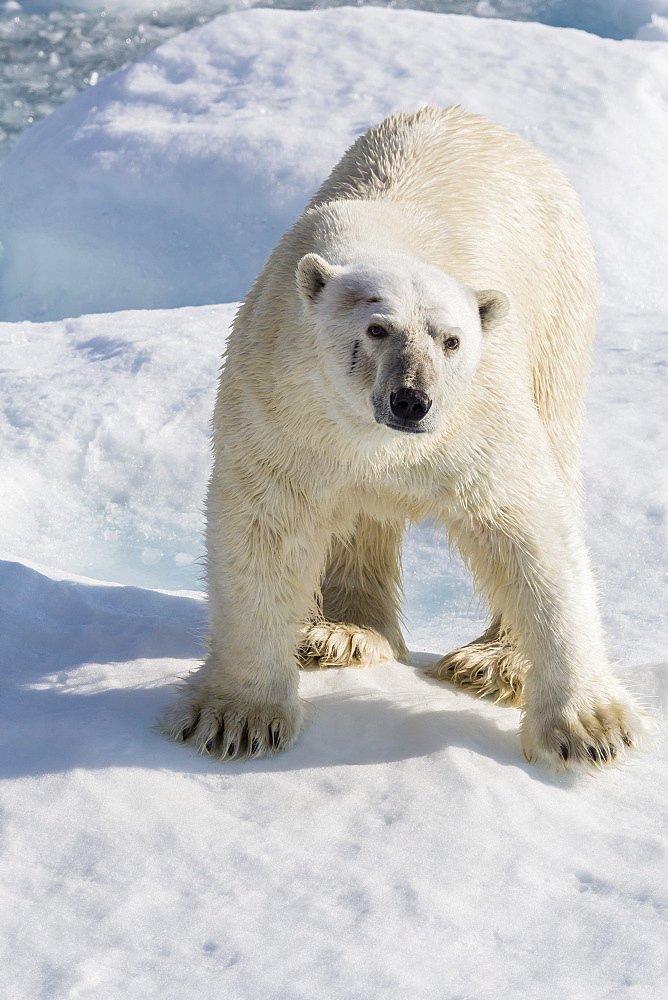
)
(416, 347)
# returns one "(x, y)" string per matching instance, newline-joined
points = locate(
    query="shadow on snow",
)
(50, 627)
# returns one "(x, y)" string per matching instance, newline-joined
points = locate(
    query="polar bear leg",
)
(535, 569)
(361, 599)
(262, 575)
(490, 666)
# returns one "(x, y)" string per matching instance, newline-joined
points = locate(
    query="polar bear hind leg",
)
(491, 666)
(341, 644)
(361, 597)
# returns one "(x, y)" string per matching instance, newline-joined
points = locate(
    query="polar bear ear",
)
(313, 273)
(493, 307)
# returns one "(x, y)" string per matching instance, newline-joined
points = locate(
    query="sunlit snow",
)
(404, 848)
(52, 49)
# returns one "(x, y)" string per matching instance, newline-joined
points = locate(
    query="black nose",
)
(409, 404)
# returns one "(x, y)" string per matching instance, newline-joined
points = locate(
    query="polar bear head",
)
(401, 340)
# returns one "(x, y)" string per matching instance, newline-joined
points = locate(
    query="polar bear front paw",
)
(588, 734)
(338, 644)
(227, 728)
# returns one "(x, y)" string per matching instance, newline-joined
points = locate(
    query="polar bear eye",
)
(451, 343)
(376, 331)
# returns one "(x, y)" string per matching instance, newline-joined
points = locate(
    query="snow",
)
(168, 183)
(656, 30)
(403, 848)
(110, 448)
(52, 49)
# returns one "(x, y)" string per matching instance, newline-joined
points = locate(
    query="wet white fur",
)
(310, 494)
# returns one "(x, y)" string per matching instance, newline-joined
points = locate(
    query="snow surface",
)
(52, 49)
(117, 446)
(168, 183)
(656, 30)
(403, 848)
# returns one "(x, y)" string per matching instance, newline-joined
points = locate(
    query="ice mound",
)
(656, 30)
(168, 183)
(104, 422)
(49, 51)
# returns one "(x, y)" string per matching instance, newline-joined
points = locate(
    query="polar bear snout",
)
(409, 406)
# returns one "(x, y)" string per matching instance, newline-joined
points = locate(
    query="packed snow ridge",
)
(168, 184)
